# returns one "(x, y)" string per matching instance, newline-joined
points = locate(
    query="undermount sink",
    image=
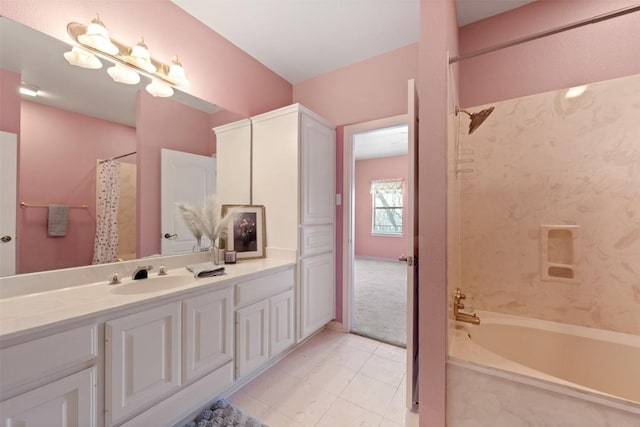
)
(152, 284)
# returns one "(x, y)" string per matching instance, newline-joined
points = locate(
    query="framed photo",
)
(247, 234)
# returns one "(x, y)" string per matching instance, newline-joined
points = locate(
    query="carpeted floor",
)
(380, 300)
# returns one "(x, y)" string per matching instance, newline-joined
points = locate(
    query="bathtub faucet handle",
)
(457, 306)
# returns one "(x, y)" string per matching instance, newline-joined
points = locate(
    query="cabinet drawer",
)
(263, 287)
(316, 239)
(39, 358)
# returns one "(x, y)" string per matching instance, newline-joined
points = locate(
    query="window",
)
(386, 201)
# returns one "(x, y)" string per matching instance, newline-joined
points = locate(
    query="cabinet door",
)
(142, 360)
(318, 172)
(317, 292)
(281, 332)
(208, 333)
(252, 337)
(233, 151)
(275, 166)
(70, 401)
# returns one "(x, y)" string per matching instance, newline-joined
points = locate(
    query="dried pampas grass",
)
(207, 220)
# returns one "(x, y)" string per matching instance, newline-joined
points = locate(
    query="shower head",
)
(476, 118)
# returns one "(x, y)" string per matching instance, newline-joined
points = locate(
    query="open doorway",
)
(376, 168)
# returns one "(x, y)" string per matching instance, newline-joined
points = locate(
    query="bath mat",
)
(224, 414)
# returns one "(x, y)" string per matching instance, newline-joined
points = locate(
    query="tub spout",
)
(469, 318)
(457, 306)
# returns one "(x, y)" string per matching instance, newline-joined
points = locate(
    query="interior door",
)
(188, 178)
(8, 177)
(412, 250)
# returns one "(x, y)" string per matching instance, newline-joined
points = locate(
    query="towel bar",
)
(28, 205)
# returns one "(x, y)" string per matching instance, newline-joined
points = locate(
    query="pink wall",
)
(58, 152)
(368, 90)
(588, 54)
(9, 101)
(438, 37)
(163, 123)
(219, 71)
(366, 245)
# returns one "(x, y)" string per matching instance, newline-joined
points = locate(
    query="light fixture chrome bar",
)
(578, 24)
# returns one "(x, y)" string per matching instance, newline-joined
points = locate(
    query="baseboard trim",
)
(335, 326)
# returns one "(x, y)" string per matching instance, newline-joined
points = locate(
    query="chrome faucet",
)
(457, 306)
(141, 272)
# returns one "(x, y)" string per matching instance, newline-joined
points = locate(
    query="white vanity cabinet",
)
(294, 177)
(207, 333)
(264, 320)
(253, 337)
(51, 380)
(70, 401)
(233, 175)
(142, 363)
(281, 322)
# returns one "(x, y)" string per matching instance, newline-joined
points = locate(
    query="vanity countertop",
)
(28, 313)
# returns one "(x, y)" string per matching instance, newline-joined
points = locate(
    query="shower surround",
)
(549, 159)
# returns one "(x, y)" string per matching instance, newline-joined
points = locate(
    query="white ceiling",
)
(301, 39)
(385, 142)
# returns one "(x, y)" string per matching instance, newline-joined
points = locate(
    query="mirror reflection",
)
(79, 118)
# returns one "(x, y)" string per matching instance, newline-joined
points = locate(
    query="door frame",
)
(348, 208)
(8, 195)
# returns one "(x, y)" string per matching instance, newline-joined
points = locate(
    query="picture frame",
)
(247, 233)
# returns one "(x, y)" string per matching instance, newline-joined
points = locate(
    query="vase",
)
(214, 254)
(198, 245)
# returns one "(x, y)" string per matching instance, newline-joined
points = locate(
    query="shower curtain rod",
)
(578, 24)
(118, 157)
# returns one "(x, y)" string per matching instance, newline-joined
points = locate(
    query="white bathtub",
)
(590, 360)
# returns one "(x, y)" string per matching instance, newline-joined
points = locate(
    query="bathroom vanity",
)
(144, 352)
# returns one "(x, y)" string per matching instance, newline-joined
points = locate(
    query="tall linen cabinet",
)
(292, 171)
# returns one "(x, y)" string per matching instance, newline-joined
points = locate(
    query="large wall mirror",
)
(80, 117)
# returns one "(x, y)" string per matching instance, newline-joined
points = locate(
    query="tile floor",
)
(333, 379)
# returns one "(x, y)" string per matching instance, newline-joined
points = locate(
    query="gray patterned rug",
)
(224, 414)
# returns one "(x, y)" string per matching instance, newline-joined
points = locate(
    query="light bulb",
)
(140, 57)
(97, 37)
(82, 58)
(124, 75)
(159, 90)
(176, 73)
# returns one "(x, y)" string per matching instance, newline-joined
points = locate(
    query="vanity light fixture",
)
(82, 58)
(97, 37)
(159, 89)
(176, 73)
(140, 57)
(129, 62)
(124, 75)
(29, 90)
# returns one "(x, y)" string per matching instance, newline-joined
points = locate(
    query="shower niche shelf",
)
(559, 253)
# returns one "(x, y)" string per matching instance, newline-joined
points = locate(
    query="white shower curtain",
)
(107, 200)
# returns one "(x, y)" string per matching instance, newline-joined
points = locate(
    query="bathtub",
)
(592, 362)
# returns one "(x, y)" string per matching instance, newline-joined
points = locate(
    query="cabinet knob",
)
(5, 239)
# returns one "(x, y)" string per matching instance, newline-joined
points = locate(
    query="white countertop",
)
(27, 313)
